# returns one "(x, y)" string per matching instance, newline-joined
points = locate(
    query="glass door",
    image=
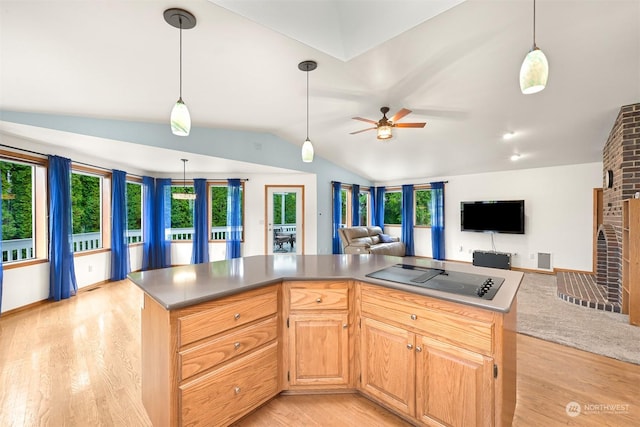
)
(284, 220)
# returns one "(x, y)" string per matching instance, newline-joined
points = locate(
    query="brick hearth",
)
(582, 289)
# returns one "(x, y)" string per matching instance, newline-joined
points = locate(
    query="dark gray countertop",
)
(184, 286)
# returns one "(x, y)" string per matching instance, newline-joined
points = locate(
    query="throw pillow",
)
(385, 238)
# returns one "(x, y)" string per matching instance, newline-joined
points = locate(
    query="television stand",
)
(492, 259)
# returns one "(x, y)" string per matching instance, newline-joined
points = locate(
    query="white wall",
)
(558, 215)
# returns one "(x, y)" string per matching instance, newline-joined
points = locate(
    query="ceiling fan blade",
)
(409, 125)
(363, 130)
(365, 120)
(400, 114)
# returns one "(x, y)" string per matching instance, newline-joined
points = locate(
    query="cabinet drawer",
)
(225, 314)
(223, 395)
(210, 353)
(453, 328)
(326, 296)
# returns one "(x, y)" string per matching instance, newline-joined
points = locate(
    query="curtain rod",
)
(395, 185)
(83, 163)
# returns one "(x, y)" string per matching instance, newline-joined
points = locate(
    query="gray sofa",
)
(367, 240)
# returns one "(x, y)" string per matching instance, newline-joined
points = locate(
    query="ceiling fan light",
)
(384, 132)
(180, 119)
(534, 72)
(307, 151)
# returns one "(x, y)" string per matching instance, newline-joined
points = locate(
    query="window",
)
(364, 207)
(422, 201)
(182, 214)
(86, 211)
(345, 196)
(17, 211)
(393, 207)
(219, 199)
(134, 212)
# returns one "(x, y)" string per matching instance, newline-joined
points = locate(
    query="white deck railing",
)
(22, 249)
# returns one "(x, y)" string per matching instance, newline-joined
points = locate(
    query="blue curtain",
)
(378, 207)
(62, 275)
(161, 244)
(407, 218)
(1, 269)
(234, 219)
(337, 216)
(148, 236)
(355, 205)
(200, 252)
(437, 220)
(120, 265)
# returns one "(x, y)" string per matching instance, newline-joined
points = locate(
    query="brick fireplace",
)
(621, 156)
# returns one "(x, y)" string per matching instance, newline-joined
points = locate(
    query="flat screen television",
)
(497, 216)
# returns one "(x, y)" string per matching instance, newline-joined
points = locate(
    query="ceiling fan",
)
(384, 125)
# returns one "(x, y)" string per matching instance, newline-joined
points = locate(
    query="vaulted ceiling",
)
(453, 63)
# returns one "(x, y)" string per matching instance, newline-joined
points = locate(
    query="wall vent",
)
(544, 261)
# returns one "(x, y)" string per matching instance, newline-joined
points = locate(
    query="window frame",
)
(224, 183)
(105, 206)
(424, 187)
(39, 207)
(136, 181)
(388, 191)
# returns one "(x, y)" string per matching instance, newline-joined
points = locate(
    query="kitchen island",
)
(220, 339)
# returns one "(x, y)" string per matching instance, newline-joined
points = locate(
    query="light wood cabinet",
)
(631, 260)
(317, 328)
(211, 363)
(454, 386)
(431, 361)
(435, 361)
(387, 364)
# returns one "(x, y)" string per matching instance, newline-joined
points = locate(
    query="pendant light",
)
(184, 195)
(180, 118)
(307, 147)
(535, 68)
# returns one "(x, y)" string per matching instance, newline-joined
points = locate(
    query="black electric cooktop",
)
(455, 282)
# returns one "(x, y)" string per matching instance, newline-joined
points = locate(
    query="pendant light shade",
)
(307, 147)
(180, 118)
(534, 71)
(307, 151)
(184, 195)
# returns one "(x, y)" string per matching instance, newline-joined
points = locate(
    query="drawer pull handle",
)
(345, 326)
(418, 349)
(409, 346)
(236, 345)
(414, 317)
(318, 300)
(236, 316)
(236, 389)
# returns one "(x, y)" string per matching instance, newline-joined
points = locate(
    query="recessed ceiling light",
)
(508, 135)
(515, 157)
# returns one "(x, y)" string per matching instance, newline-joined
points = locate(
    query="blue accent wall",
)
(253, 147)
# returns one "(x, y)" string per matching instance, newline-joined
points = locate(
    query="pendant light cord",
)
(307, 104)
(180, 19)
(534, 24)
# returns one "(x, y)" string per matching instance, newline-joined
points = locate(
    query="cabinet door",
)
(387, 361)
(453, 386)
(319, 349)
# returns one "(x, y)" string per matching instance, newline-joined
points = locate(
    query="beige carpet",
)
(543, 315)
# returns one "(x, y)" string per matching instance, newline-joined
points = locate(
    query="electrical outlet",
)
(531, 256)
(461, 248)
(90, 268)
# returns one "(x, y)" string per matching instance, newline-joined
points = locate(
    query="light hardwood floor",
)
(77, 363)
